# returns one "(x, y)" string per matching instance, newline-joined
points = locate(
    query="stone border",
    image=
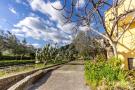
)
(9, 81)
(29, 80)
(6, 82)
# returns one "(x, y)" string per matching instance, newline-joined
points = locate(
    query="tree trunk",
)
(21, 57)
(45, 62)
(36, 56)
(114, 46)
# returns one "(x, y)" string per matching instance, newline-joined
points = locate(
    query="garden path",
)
(67, 77)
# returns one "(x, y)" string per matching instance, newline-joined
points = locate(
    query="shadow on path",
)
(41, 81)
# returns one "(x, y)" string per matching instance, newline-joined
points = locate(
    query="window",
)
(131, 63)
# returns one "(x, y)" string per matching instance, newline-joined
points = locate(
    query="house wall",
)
(126, 45)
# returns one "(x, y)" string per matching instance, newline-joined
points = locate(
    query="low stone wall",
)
(9, 81)
(25, 83)
(5, 83)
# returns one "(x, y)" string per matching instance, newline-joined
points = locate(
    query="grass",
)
(13, 70)
(19, 69)
(14, 62)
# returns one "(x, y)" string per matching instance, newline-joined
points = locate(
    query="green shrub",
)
(107, 74)
(4, 63)
(0, 54)
(51, 54)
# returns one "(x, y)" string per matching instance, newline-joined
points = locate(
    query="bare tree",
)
(1, 41)
(88, 45)
(93, 12)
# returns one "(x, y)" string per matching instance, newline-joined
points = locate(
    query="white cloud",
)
(18, 1)
(31, 27)
(37, 28)
(46, 8)
(19, 35)
(80, 3)
(36, 45)
(13, 10)
(53, 14)
(84, 28)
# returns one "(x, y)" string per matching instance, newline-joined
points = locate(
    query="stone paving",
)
(67, 77)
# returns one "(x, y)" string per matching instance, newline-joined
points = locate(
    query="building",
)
(126, 44)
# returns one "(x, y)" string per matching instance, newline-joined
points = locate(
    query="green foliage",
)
(48, 53)
(10, 44)
(53, 54)
(105, 73)
(0, 54)
(24, 68)
(88, 44)
(131, 78)
(11, 57)
(15, 62)
(32, 55)
(100, 58)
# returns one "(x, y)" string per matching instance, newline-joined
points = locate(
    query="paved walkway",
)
(67, 77)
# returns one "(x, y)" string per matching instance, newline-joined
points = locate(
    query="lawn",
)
(23, 68)
(4, 63)
(18, 69)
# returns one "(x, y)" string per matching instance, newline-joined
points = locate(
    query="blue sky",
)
(36, 21)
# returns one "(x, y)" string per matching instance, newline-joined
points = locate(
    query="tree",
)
(87, 45)
(46, 54)
(3, 40)
(23, 47)
(92, 12)
(9, 42)
(81, 43)
(31, 51)
(68, 52)
(53, 54)
(13, 43)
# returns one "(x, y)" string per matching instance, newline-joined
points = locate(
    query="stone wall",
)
(9, 81)
(27, 82)
(5, 83)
